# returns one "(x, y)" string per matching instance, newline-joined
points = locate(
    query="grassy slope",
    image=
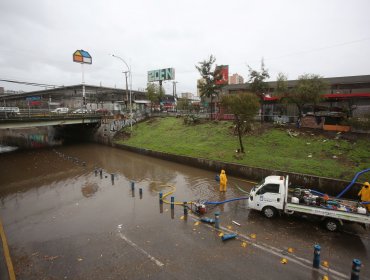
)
(273, 149)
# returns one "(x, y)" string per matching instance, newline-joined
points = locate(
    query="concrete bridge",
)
(44, 129)
(27, 121)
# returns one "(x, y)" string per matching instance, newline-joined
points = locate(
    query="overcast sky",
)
(38, 38)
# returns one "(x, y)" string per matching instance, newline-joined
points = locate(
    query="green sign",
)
(161, 75)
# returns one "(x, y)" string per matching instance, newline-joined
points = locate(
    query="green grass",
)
(272, 149)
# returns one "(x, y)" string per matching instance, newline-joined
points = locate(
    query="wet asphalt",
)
(65, 221)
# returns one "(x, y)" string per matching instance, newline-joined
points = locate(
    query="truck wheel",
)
(332, 225)
(269, 212)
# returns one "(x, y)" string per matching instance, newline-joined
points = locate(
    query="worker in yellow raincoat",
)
(364, 194)
(223, 181)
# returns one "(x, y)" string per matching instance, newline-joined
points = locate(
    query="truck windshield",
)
(258, 185)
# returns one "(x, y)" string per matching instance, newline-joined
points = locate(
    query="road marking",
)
(8, 260)
(157, 262)
(278, 252)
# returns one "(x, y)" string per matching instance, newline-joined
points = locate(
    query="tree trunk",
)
(262, 113)
(211, 106)
(238, 124)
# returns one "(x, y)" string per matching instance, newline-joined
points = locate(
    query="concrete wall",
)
(109, 127)
(47, 136)
(322, 184)
(35, 137)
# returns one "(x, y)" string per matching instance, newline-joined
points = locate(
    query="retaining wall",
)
(34, 137)
(322, 184)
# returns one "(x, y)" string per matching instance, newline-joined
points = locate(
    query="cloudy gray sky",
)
(38, 38)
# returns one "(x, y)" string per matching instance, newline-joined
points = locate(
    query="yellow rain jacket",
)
(364, 194)
(223, 181)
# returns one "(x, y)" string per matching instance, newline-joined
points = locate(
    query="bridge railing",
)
(44, 114)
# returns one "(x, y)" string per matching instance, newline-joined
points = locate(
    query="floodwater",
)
(66, 220)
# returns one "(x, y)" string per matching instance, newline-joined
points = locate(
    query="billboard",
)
(82, 56)
(161, 75)
(223, 75)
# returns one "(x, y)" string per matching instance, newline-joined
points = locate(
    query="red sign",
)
(34, 103)
(223, 75)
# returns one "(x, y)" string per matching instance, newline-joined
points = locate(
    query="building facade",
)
(236, 79)
(350, 95)
(97, 97)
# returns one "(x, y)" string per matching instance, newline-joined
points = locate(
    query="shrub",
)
(360, 123)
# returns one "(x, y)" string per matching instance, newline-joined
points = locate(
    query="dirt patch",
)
(349, 136)
(121, 135)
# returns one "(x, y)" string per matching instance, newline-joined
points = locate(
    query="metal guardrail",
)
(42, 114)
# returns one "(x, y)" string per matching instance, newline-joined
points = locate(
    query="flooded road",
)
(63, 220)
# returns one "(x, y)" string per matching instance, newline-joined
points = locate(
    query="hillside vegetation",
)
(283, 148)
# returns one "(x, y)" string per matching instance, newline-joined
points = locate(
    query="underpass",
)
(64, 221)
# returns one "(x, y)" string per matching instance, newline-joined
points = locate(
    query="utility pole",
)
(126, 72)
(174, 88)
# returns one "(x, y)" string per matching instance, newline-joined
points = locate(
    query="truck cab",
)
(269, 196)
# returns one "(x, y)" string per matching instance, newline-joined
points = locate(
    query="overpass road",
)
(47, 119)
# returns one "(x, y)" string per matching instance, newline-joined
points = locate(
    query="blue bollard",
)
(160, 198)
(132, 185)
(217, 220)
(356, 266)
(228, 236)
(172, 202)
(316, 256)
(185, 208)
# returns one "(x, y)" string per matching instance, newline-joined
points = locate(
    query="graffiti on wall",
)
(119, 124)
(38, 140)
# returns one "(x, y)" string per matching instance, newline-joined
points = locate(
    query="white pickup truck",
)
(272, 196)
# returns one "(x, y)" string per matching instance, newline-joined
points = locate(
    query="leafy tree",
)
(281, 84)
(155, 94)
(183, 104)
(307, 90)
(257, 83)
(208, 87)
(244, 106)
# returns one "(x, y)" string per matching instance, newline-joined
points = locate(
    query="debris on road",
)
(50, 258)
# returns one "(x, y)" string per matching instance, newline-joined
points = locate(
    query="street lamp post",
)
(125, 72)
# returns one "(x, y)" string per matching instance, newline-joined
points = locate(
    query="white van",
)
(60, 110)
(9, 111)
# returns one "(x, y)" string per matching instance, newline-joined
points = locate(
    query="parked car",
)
(60, 110)
(81, 111)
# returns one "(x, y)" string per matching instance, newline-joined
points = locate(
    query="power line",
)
(29, 83)
(316, 49)
(320, 49)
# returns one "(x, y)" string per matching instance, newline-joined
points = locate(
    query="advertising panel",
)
(223, 77)
(81, 56)
(161, 75)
